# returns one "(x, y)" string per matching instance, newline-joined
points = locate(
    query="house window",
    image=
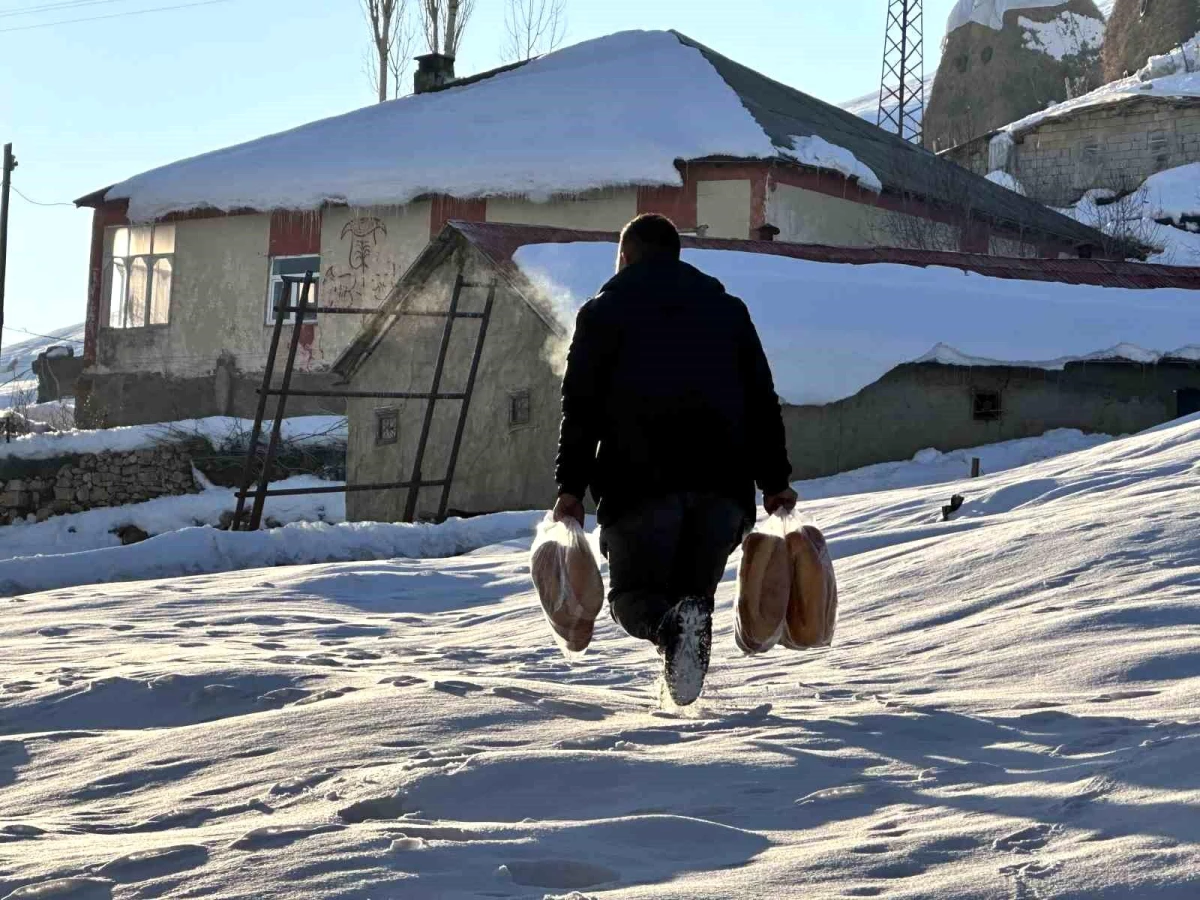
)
(985, 406)
(519, 409)
(387, 426)
(139, 271)
(986, 55)
(294, 269)
(1089, 151)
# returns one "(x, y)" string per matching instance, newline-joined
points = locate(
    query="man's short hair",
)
(650, 236)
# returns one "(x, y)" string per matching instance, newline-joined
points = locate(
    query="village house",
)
(1111, 139)
(877, 354)
(188, 260)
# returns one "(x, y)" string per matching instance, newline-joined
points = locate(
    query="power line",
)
(53, 7)
(17, 191)
(121, 15)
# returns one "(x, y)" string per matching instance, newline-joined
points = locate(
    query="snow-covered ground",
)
(83, 548)
(218, 430)
(1009, 711)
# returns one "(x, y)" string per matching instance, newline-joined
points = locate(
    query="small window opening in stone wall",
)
(985, 406)
(520, 409)
(1160, 148)
(986, 55)
(1089, 151)
(962, 62)
(387, 426)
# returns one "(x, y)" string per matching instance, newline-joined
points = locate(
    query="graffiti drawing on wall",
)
(367, 276)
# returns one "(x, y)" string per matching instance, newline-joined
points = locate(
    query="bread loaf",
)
(762, 593)
(812, 605)
(570, 588)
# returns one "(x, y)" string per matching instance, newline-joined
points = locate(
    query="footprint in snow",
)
(1121, 695)
(53, 631)
(1026, 840)
(370, 809)
(274, 836)
(402, 680)
(65, 889)
(458, 688)
(20, 832)
(561, 874)
(157, 863)
(282, 696)
(329, 694)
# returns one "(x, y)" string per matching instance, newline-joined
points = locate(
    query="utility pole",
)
(10, 163)
(902, 87)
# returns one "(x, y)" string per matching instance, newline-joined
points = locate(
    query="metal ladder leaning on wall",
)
(415, 482)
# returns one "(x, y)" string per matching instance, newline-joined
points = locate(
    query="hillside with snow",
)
(1009, 710)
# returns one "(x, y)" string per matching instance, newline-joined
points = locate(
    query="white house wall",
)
(724, 207)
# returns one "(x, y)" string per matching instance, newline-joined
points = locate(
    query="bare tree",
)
(533, 27)
(444, 22)
(392, 38)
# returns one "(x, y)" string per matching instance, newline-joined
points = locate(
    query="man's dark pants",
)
(666, 549)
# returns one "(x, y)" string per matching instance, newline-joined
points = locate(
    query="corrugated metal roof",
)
(499, 242)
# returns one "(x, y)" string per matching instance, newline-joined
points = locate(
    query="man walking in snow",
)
(670, 417)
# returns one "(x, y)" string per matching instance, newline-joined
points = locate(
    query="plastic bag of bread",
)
(813, 598)
(568, 582)
(764, 583)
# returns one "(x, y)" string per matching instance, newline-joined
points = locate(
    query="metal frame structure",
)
(902, 84)
(415, 482)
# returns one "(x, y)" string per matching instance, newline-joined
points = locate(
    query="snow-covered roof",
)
(581, 118)
(990, 12)
(1174, 75)
(834, 320)
(617, 110)
(831, 329)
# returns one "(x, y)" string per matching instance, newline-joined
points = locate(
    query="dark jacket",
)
(667, 389)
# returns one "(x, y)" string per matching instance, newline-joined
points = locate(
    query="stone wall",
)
(42, 488)
(1116, 146)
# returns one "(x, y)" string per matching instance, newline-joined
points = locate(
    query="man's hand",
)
(785, 501)
(570, 506)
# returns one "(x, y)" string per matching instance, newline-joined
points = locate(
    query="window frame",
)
(127, 262)
(385, 414)
(987, 412)
(274, 278)
(515, 398)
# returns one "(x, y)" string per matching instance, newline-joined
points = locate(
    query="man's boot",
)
(685, 640)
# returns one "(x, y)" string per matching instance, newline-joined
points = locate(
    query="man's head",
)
(649, 236)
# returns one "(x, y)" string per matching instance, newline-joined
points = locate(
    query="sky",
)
(89, 103)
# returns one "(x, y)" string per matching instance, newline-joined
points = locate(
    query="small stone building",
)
(846, 330)
(57, 369)
(1004, 59)
(187, 260)
(1111, 139)
(1139, 29)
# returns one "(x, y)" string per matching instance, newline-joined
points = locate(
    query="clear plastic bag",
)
(568, 582)
(787, 590)
(764, 584)
(813, 598)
